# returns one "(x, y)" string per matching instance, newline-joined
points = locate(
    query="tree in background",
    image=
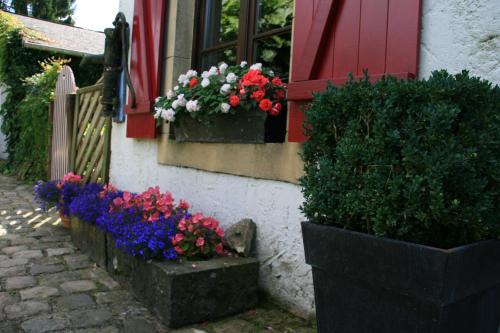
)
(59, 11)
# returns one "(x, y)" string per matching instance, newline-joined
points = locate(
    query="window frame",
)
(247, 39)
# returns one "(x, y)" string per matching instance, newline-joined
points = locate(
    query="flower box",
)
(241, 127)
(90, 240)
(188, 292)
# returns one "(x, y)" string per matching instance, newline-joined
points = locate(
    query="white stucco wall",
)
(456, 34)
(461, 34)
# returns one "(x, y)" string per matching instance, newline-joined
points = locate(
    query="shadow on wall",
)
(3, 145)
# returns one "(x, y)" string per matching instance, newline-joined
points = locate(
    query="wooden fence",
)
(88, 138)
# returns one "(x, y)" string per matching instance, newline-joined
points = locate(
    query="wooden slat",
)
(94, 137)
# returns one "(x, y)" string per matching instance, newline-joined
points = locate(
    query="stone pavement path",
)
(46, 285)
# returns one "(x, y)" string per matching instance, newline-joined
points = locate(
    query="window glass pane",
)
(272, 14)
(214, 58)
(221, 21)
(274, 52)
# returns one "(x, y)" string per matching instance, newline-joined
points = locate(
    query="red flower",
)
(266, 105)
(280, 94)
(277, 81)
(219, 248)
(254, 78)
(193, 82)
(276, 109)
(234, 100)
(183, 204)
(258, 95)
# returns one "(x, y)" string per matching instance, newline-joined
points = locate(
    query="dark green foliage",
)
(16, 64)
(417, 161)
(50, 10)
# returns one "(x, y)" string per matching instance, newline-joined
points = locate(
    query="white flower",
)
(225, 89)
(205, 74)
(243, 64)
(271, 73)
(231, 78)
(205, 82)
(182, 78)
(257, 66)
(168, 114)
(192, 106)
(175, 104)
(157, 99)
(225, 107)
(181, 100)
(170, 94)
(213, 71)
(191, 73)
(222, 67)
(158, 112)
(176, 88)
(185, 83)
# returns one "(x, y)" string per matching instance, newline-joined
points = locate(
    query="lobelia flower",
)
(266, 104)
(170, 94)
(243, 64)
(192, 106)
(222, 68)
(225, 107)
(225, 89)
(231, 78)
(257, 66)
(205, 82)
(181, 100)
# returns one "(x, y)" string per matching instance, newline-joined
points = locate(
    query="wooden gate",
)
(61, 117)
(90, 151)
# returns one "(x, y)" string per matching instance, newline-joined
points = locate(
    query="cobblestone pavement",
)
(46, 285)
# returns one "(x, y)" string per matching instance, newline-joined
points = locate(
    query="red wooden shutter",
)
(145, 66)
(332, 38)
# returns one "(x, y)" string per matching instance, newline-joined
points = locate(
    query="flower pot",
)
(369, 284)
(66, 221)
(242, 127)
(189, 292)
(90, 240)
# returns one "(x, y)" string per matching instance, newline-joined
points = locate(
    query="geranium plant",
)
(223, 90)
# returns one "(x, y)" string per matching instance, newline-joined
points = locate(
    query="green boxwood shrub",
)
(413, 160)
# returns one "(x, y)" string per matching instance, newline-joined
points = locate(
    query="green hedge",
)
(16, 64)
(412, 160)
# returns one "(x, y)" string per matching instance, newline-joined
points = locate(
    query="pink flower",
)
(197, 218)
(179, 250)
(200, 242)
(118, 202)
(177, 239)
(219, 248)
(219, 232)
(182, 225)
(183, 204)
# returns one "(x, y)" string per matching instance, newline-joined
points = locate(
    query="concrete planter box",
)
(242, 127)
(90, 240)
(180, 293)
(369, 284)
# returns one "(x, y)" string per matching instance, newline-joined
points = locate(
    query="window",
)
(250, 30)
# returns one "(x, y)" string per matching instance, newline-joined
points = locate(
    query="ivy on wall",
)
(18, 65)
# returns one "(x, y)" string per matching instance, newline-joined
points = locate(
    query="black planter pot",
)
(369, 284)
(242, 127)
